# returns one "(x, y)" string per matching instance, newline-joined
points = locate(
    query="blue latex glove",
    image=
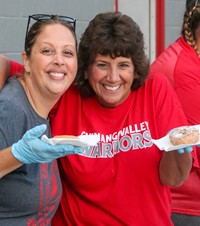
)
(187, 149)
(31, 149)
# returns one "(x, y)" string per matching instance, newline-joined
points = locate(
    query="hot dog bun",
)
(184, 135)
(66, 136)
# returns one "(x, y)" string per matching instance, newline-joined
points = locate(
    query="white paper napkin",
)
(82, 140)
(165, 144)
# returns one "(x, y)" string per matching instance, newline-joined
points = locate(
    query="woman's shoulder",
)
(71, 94)
(157, 77)
(10, 94)
(158, 82)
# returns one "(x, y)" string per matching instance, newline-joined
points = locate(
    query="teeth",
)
(56, 74)
(112, 88)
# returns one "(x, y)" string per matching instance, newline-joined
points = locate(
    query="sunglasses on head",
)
(41, 17)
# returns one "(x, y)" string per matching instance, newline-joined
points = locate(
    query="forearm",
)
(8, 162)
(174, 168)
(4, 70)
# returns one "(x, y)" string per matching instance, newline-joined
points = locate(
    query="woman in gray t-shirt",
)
(30, 188)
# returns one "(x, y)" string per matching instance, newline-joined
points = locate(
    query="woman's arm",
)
(175, 167)
(8, 68)
(4, 69)
(31, 149)
(8, 162)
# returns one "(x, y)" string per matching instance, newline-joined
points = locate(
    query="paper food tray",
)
(165, 144)
(82, 141)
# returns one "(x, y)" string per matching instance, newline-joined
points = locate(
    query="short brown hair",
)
(112, 34)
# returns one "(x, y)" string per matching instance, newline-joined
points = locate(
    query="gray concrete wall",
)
(14, 16)
(143, 13)
(173, 19)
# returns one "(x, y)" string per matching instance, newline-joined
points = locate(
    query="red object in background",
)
(160, 28)
(116, 5)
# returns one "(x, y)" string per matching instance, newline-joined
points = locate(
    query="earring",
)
(26, 67)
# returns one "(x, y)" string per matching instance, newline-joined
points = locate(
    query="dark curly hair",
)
(112, 34)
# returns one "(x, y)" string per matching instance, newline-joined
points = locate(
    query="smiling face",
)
(111, 79)
(52, 65)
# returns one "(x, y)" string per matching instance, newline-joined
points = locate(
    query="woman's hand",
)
(31, 149)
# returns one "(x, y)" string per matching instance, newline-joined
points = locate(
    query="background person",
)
(30, 192)
(180, 63)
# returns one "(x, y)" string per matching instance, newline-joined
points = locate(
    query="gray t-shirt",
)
(29, 195)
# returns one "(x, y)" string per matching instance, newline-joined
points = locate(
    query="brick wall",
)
(14, 14)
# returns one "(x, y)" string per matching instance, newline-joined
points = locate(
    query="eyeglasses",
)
(41, 17)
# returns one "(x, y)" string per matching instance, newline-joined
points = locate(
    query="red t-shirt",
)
(117, 182)
(181, 65)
